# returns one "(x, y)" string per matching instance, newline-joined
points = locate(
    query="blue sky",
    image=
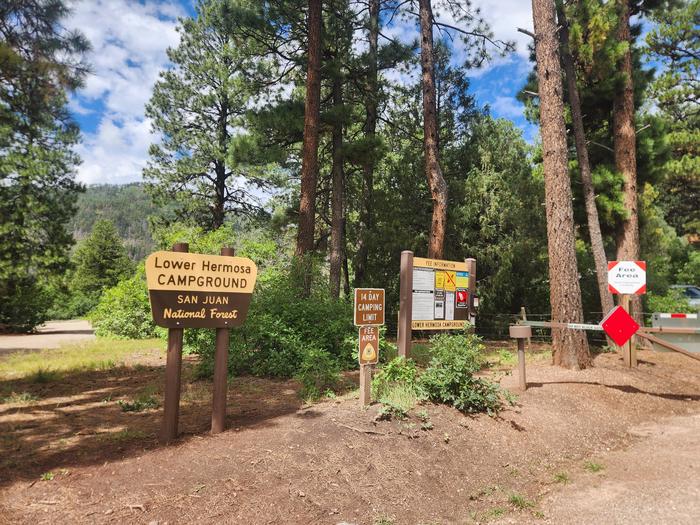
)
(130, 38)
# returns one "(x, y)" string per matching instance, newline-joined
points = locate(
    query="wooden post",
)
(173, 367)
(405, 304)
(365, 384)
(521, 363)
(218, 410)
(471, 268)
(628, 348)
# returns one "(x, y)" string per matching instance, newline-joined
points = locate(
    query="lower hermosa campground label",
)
(189, 290)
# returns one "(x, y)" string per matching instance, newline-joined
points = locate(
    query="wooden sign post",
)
(434, 295)
(173, 367)
(369, 315)
(218, 406)
(188, 290)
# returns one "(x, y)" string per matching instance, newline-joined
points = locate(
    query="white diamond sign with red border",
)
(627, 277)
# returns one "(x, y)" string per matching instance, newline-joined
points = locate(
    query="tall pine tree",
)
(39, 63)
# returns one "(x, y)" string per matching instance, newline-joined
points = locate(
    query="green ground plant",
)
(15, 398)
(144, 401)
(520, 502)
(450, 378)
(318, 373)
(592, 466)
(561, 477)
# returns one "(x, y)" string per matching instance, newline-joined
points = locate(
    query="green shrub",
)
(281, 328)
(124, 311)
(673, 301)
(318, 372)
(450, 378)
(398, 371)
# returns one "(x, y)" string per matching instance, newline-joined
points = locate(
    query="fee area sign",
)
(627, 277)
(191, 290)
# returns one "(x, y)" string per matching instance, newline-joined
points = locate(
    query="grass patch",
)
(44, 375)
(46, 366)
(123, 435)
(561, 477)
(23, 397)
(141, 403)
(398, 399)
(47, 476)
(491, 514)
(592, 466)
(520, 502)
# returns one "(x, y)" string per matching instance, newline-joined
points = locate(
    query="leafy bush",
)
(281, 328)
(398, 371)
(450, 376)
(673, 301)
(317, 373)
(124, 311)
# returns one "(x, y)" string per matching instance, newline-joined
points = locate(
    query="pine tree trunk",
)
(570, 347)
(338, 195)
(625, 147)
(599, 257)
(365, 226)
(436, 182)
(309, 162)
(219, 205)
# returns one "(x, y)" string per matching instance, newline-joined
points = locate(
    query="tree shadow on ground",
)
(628, 389)
(75, 419)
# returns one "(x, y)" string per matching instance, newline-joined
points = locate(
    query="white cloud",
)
(117, 152)
(507, 107)
(129, 41)
(505, 17)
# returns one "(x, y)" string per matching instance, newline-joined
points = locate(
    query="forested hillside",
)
(127, 206)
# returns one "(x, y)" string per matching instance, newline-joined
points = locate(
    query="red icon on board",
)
(619, 325)
(461, 296)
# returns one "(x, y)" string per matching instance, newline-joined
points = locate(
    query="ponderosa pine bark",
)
(570, 347)
(625, 151)
(370, 130)
(309, 162)
(597, 246)
(433, 172)
(338, 194)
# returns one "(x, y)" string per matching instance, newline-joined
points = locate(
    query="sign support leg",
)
(521, 364)
(405, 304)
(365, 384)
(173, 367)
(627, 347)
(218, 410)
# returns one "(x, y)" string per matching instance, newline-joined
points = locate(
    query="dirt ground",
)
(605, 445)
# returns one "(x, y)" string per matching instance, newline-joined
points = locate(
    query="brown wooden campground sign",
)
(369, 306)
(191, 290)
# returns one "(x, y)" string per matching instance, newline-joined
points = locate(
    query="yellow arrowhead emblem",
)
(368, 354)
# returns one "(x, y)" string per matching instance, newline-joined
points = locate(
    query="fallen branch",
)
(362, 430)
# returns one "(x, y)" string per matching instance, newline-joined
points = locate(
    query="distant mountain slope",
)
(127, 206)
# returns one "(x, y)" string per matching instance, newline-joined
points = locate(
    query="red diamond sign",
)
(619, 325)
